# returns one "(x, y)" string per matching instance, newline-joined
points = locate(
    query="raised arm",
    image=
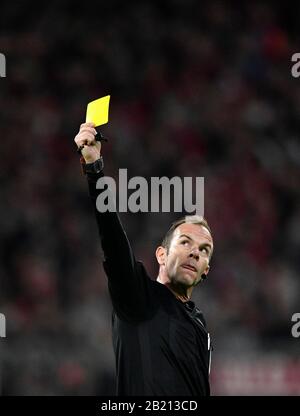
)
(126, 283)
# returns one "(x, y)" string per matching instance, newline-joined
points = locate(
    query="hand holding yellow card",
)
(97, 111)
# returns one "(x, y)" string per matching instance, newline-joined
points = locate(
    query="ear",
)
(206, 271)
(161, 254)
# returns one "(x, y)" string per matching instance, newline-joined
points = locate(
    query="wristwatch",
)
(93, 168)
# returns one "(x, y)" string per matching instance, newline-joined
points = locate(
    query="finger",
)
(90, 140)
(86, 138)
(80, 142)
(89, 124)
(89, 129)
(85, 135)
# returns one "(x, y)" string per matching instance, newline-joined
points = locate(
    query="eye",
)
(205, 249)
(184, 242)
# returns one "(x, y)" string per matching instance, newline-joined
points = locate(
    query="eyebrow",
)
(184, 235)
(202, 245)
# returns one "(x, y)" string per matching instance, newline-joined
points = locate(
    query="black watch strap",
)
(93, 168)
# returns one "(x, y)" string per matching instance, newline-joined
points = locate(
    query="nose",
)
(195, 253)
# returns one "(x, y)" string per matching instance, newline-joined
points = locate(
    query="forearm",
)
(127, 284)
(118, 255)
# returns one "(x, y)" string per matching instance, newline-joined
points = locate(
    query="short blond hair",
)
(188, 219)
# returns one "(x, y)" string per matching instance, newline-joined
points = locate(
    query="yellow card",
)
(97, 111)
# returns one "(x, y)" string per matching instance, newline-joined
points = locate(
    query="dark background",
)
(197, 89)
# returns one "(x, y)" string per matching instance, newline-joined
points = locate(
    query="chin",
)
(186, 280)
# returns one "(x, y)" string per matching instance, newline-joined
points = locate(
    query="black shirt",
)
(161, 344)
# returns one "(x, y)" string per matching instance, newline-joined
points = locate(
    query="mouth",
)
(189, 267)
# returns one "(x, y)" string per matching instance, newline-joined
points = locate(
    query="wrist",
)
(92, 169)
(90, 160)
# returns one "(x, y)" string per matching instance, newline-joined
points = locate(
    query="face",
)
(188, 255)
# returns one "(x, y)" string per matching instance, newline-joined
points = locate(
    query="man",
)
(160, 339)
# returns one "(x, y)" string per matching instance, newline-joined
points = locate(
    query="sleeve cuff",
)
(92, 170)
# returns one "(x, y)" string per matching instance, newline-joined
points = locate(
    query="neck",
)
(181, 293)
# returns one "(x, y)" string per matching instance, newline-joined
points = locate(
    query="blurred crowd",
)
(197, 89)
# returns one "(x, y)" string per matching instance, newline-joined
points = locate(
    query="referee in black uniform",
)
(160, 340)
